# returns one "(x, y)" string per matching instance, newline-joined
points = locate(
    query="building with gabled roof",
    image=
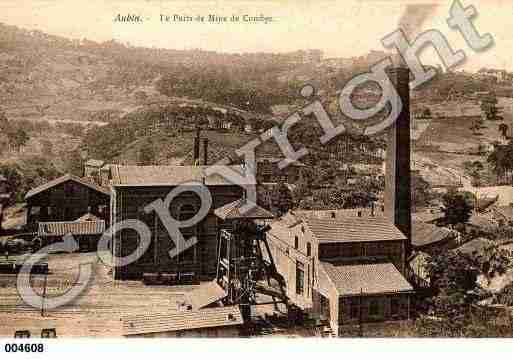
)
(342, 269)
(369, 278)
(211, 322)
(65, 199)
(431, 238)
(87, 233)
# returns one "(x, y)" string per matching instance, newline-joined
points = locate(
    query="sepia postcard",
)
(255, 169)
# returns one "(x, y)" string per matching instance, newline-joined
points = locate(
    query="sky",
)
(341, 28)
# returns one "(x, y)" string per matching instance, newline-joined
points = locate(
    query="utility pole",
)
(44, 295)
(360, 327)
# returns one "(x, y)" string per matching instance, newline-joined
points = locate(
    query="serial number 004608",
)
(24, 347)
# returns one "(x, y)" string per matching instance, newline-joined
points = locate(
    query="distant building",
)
(343, 269)
(268, 171)
(65, 199)
(92, 169)
(430, 238)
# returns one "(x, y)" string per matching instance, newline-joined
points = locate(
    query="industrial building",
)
(345, 268)
(135, 187)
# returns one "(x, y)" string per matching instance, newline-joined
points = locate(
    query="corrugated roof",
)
(166, 175)
(196, 319)
(365, 279)
(74, 228)
(63, 179)
(206, 294)
(354, 229)
(425, 233)
(232, 210)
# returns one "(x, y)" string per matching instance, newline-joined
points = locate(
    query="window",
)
(302, 229)
(300, 278)
(394, 306)
(69, 189)
(308, 249)
(374, 308)
(36, 211)
(187, 256)
(355, 308)
(187, 211)
(296, 242)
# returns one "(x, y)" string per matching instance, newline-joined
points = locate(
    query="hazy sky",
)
(340, 28)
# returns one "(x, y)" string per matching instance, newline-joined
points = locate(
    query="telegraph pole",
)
(44, 295)
(360, 327)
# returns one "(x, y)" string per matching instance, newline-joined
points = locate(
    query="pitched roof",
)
(87, 218)
(233, 210)
(74, 228)
(427, 215)
(354, 229)
(478, 245)
(166, 175)
(425, 233)
(95, 163)
(504, 212)
(340, 213)
(277, 159)
(365, 279)
(206, 294)
(63, 179)
(196, 319)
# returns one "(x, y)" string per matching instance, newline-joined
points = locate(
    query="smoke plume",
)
(413, 18)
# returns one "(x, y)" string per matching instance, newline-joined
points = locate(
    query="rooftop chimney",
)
(397, 176)
(205, 151)
(196, 149)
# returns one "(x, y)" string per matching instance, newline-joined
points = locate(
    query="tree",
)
(501, 160)
(474, 170)
(146, 155)
(421, 191)
(503, 129)
(458, 206)
(73, 163)
(282, 199)
(47, 147)
(489, 107)
(19, 138)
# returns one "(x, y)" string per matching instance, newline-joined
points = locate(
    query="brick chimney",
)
(397, 176)
(196, 148)
(205, 151)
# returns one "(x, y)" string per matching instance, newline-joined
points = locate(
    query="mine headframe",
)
(245, 266)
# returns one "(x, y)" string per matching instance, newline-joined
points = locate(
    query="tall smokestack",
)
(397, 177)
(205, 151)
(196, 150)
